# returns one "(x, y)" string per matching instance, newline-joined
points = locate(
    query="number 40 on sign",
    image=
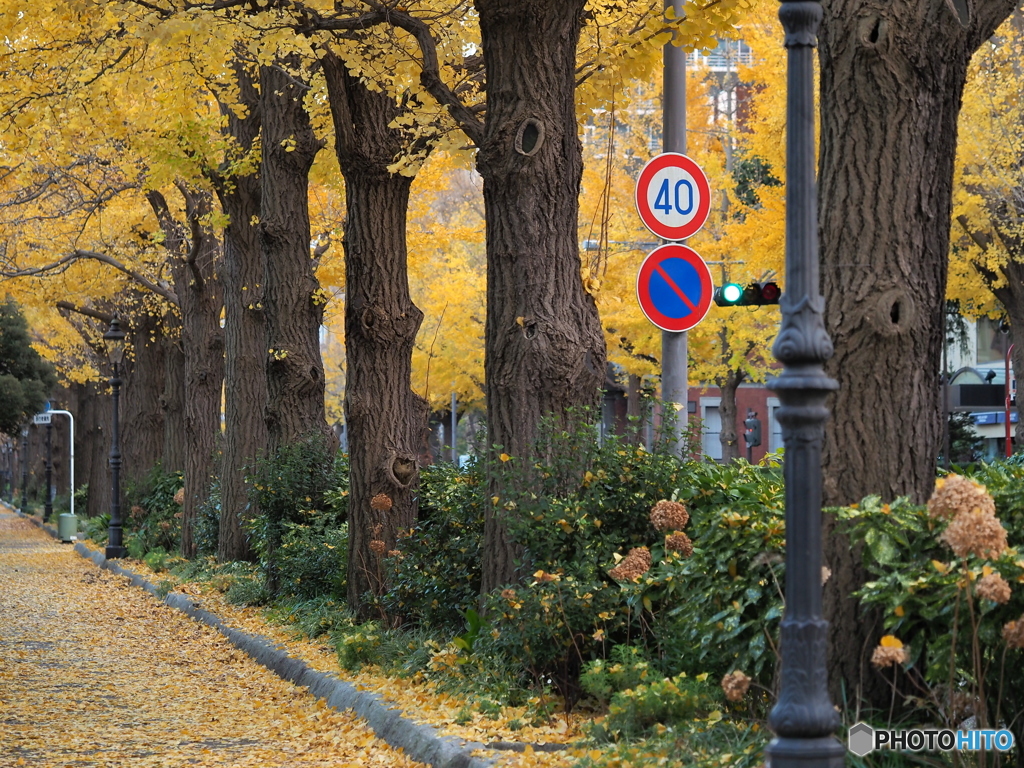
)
(673, 196)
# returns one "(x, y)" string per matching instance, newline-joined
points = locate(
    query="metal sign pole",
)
(674, 350)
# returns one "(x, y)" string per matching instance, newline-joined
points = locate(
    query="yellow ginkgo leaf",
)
(890, 641)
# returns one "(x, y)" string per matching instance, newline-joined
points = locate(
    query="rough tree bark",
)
(244, 279)
(891, 83)
(142, 422)
(544, 349)
(194, 255)
(91, 405)
(172, 401)
(295, 371)
(728, 384)
(386, 420)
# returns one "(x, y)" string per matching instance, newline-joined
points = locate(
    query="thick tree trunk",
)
(91, 405)
(141, 418)
(386, 420)
(891, 84)
(244, 279)
(295, 371)
(172, 403)
(728, 385)
(194, 252)
(545, 351)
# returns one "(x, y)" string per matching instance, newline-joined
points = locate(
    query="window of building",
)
(992, 342)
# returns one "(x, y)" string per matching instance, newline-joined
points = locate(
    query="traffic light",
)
(754, 295)
(752, 433)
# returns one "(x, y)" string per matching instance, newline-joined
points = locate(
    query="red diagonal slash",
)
(674, 287)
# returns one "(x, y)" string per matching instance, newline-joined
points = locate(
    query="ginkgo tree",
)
(987, 251)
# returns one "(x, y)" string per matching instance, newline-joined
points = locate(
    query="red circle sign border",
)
(647, 216)
(655, 257)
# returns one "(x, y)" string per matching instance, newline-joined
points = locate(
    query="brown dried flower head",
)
(633, 565)
(1013, 633)
(735, 684)
(179, 497)
(378, 547)
(887, 655)
(381, 502)
(395, 553)
(679, 542)
(954, 494)
(137, 512)
(994, 587)
(975, 532)
(669, 516)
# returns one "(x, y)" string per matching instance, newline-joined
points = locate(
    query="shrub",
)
(153, 519)
(293, 490)
(437, 577)
(935, 608)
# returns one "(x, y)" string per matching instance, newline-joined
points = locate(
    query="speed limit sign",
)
(673, 196)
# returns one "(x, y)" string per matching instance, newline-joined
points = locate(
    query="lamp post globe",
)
(113, 340)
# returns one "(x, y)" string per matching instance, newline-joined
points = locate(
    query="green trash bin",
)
(67, 527)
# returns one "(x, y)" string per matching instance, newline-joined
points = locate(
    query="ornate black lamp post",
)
(24, 468)
(804, 719)
(113, 339)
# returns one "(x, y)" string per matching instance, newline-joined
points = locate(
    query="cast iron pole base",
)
(825, 752)
(115, 553)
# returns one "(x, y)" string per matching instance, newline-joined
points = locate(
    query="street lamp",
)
(24, 468)
(113, 340)
(803, 719)
(48, 504)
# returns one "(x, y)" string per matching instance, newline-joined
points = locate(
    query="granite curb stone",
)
(419, 741)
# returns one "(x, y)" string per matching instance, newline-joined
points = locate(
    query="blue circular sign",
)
(674, 287)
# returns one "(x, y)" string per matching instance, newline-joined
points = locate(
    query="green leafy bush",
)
(299, 536)
(154, 517)
(932, 605)
(636, 712)
(437, 577)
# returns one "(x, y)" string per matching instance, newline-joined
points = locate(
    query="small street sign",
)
(41, 418)
(674, 288)
(673, 196)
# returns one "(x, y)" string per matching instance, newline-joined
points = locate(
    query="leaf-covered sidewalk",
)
(96, 672)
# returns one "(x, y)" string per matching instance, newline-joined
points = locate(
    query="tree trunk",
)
(193, 254)
(172, 404)
(141, 418)
(93, 417)
(728, 385)
(545, 351)
(244, 279)
(386, 420)
(295, 371)
(891, 85)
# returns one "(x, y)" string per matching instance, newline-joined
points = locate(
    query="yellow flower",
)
(505, 457)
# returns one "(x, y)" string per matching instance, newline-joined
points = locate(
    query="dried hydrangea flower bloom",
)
(993, 587)
(1013, 633)
(378, 547)
(633, 565)
(735, 684)
(976, 532)
(381, 502)
(669, 516)
(679, 542)
(888, 652)
(954, 494)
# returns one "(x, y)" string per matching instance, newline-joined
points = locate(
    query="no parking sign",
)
(674, 287)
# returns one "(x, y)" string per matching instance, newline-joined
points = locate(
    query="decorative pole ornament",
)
(803, 719)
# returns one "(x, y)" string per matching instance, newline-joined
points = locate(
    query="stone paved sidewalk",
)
(94, 672)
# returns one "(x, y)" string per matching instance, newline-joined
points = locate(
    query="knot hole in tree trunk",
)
(893, 313)
(401, 469)
(529, 137)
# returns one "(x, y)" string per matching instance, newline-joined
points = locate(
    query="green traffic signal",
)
(753, 295)
(728, 295)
